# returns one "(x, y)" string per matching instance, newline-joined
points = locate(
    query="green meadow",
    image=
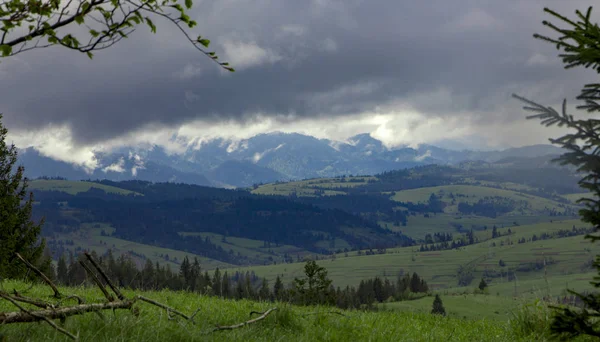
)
(288, 323)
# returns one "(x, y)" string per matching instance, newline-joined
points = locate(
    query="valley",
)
(451, 225)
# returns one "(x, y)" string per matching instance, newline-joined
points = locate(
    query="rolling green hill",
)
(564, 256)
(75, 187)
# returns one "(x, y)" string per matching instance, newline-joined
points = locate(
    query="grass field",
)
(311, 186)
(290, 323)
(254, 249)
(472, 194)
(439, 268)
(418, 226)
(489, 307)
(75, 187)
(89, 237)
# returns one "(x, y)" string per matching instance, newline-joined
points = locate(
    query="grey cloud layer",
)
(320, 58)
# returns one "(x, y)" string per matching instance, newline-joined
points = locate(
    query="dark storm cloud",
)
(319, 58)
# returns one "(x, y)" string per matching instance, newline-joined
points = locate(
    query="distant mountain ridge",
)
(270, 157)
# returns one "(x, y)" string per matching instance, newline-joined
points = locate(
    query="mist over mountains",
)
(271, 157)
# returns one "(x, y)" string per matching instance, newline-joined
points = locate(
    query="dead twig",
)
(106, 279)
(36, 315)
(79, 300)
(42, 275)
(239, 325)
(163, 306)
(97, 281)
(32, 301)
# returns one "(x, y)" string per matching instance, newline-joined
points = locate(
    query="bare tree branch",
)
(42, 275)
(239, 325)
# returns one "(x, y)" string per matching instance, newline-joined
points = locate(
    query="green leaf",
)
(188, 4)
(204, 42)
(85, 7)
(90, 55)
(79, 19)
(94, 33)
(151, 25)
(6, 50)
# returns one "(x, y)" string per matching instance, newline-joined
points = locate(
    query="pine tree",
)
(148, 276)
(18, 233)
(314, 288)
(482, 284)
(581, 46)
(225, 286)
(438, 306)
(217, 283)
(278, 289)
(264, 294)
(61, 271)
(185, 272)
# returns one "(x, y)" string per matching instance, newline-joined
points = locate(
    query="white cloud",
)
(56, 142)
(116, 167)
(245, 55)
(258, 156)
(424, 156)
(188, 71)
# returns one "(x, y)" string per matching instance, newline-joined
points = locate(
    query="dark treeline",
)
(314, 288)
(488, 207)
(159, 223)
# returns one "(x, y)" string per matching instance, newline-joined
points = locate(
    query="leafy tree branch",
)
(32, 24)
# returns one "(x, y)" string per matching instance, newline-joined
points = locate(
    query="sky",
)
(407, 72)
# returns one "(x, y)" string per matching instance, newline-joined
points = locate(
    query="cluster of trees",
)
(438, 237)
(488, 207)
(314, 288)
(447, 242)
(559, 234)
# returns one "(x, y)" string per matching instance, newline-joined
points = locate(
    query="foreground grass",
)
(291, 323)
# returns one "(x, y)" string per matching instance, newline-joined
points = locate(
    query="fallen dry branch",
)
(97, 281)
(163, 306)
(106, 279)
(34, 316)
(42, 275)
(239, 325)
(32, 301)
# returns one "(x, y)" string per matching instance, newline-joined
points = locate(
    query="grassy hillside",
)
(564, 256)
(257, 251)
(75, 187)
(89, 237)
(311, 187)
(471, 194)
(290, 323)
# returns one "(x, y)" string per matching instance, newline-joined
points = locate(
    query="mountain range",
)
(270, 157)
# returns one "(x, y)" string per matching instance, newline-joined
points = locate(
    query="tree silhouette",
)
(581, 46)
(18, 234)
(438, 306)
